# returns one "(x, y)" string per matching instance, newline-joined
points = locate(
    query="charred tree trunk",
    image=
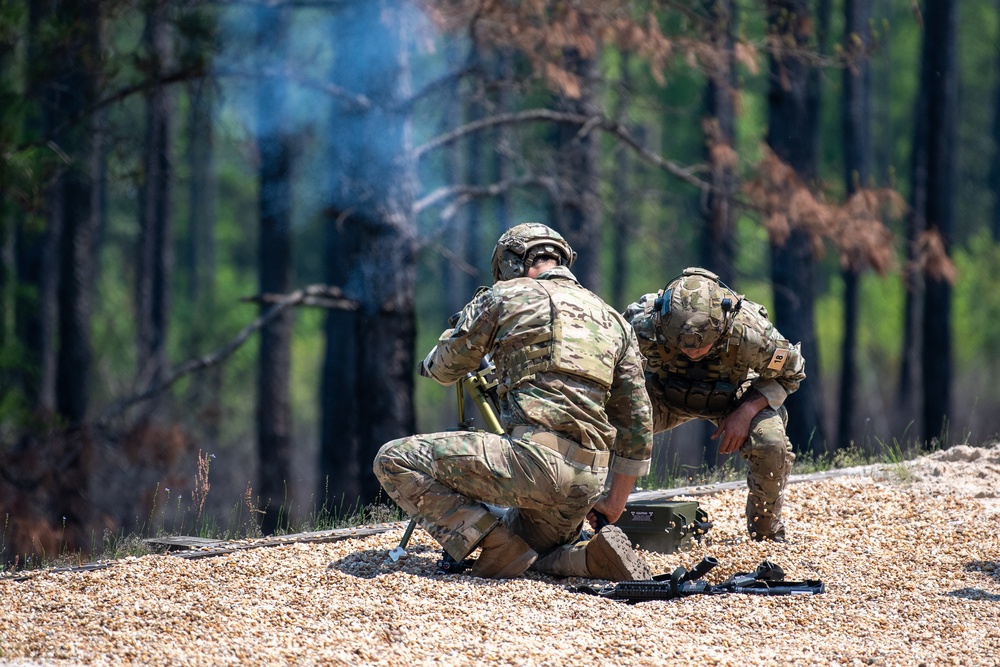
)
(910, 396)
(9, 135)
(37, 239)
(577, 151)
(455, 295)
(274, 413)
(623, 218)
(793, 136)
(995, 163)
(368, 369)
(77, 189)
(199, 250)
(57, 264)
(939, 77)
(200, 246)
(857, 168)
(883, 79)
(474, 177)
(504, 147)
(155, 252)
(718, 242)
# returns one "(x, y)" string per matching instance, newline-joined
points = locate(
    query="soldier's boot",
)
(504, 555)
(568, 560)
(610, 556)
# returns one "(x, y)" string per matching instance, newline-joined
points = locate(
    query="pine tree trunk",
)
(995, 163)
(155, 255)
(75, 214)
(857, 167)
(939, 75)
(37, 245)
(718, 243)
(199, 248)
(454, 279)
(368, 368)
(793, 136)
(8, 285)
(274, 413)
(910, 391)
(474, 177)
(578, 211)
(504, 147)
(623, 218)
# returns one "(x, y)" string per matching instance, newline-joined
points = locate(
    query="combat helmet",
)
(695, 309)
(519, 246)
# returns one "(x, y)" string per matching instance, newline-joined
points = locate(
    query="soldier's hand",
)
(733, 430)
(735, 427)
(609, 512)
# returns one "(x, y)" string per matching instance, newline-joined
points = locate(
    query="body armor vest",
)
(564, 328)
(707, 386)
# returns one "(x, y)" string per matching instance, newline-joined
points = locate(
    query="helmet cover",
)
(519, 246)
(695, 309)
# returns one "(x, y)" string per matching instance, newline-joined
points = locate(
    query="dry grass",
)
(912, 571)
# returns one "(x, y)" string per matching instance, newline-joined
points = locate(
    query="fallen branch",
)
(315, 295)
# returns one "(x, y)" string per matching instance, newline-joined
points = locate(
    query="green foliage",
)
(977, 304)
(975, 201)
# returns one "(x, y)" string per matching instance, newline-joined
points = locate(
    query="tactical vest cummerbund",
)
(562, 328)
(710, 398)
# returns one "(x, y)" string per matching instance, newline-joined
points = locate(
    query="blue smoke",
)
(339, 92)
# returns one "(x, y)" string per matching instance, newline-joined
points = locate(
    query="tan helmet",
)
(520, 245)
(695, 309)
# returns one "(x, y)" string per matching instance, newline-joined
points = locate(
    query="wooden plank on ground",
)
(314, 537)
(183, 542)
(708, 489)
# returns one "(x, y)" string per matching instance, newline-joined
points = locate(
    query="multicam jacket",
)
(566, 362)
(753, 354)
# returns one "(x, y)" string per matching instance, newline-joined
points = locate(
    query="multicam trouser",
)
(769, 454)
(446, 479)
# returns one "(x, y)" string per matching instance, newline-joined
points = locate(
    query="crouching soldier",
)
(571, 390)
(713, 355)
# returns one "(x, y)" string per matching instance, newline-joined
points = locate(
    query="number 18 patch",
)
(778, 359)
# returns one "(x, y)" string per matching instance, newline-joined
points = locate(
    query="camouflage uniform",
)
(569, 371)
(749, 355)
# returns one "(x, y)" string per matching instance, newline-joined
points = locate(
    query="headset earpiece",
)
(662, 303)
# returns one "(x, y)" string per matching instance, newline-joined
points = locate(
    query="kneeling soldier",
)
(571, 392)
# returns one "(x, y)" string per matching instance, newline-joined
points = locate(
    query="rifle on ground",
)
(767, 579)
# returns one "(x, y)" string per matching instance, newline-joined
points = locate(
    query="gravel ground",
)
(910, 556)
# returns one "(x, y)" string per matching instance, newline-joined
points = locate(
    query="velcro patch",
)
(778, 359)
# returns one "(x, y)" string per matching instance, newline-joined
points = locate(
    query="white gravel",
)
(910, 558)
